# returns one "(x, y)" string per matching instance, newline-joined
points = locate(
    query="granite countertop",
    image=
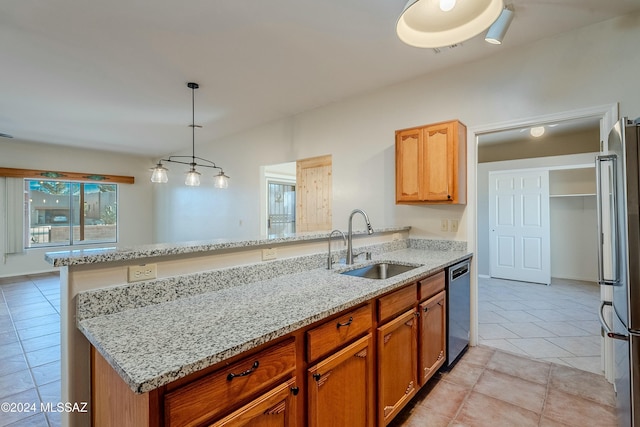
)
(157, 344)
(109, 254)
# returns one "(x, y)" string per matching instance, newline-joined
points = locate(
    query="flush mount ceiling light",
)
(159, 173)
(537, 131)
(439, 23)
(498, 29)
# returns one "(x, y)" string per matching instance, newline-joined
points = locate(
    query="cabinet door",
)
(341, 388)
(433, 318)
(439, 162)
(397, 365)
(276, 408)
(408, 165)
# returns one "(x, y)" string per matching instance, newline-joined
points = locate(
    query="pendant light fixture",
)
(159, 172)
(440, 23)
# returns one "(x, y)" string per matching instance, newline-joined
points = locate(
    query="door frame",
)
(608, 115)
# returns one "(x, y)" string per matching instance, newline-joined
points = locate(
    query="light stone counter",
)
(155, 333)
(111, 254)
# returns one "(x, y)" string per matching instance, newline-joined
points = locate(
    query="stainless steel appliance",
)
(458, 316)
(617, 173)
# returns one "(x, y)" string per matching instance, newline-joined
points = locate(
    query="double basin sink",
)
(380, 270)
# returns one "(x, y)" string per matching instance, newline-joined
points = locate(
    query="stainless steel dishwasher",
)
(458, 306)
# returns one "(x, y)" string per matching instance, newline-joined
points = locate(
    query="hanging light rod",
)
(159, 172)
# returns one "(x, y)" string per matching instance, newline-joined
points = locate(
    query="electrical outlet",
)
(454, 225)
(444, 225)
(269, 254)
(142, 272)
(396, 237)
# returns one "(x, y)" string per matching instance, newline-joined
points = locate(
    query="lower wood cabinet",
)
(353, 377)
(211, 396)
(340, 388)
(397, 365)
(432, 332)
(276, 408)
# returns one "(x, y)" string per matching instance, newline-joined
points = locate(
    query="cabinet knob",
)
(295, 391)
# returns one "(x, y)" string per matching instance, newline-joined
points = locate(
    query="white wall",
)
(584, 68)
(574, 238)
(135, 217)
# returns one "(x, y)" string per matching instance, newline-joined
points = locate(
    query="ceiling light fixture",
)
(537, 131)
(433, 23)
(159, 174)
(498, 29)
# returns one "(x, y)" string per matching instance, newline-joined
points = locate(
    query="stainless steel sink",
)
(381, 270)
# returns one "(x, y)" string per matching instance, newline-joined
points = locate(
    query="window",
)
(63, 213)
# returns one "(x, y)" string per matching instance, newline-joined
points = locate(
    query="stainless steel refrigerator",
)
(617, 172)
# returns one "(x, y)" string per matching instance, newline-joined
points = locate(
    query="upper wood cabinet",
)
(431, 164)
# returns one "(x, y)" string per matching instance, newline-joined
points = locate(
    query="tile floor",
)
(557, 323)
(492, 388)
(30, 348)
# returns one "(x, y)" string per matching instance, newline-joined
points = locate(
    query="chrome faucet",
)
(329, 259)
(350, 255)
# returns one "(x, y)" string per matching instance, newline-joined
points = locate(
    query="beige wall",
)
(572, 143)
(135, 201)
(588, 67)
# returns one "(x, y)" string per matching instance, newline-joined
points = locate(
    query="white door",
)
(519, 226)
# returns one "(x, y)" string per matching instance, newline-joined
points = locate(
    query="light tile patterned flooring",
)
(492, 388)
(30, 348)
(556, 324)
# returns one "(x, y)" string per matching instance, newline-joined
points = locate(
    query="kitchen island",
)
(155, 332)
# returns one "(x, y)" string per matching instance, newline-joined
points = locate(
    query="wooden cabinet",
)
(337, 332)
(431, 164)
(276, 408)
(211, 396)
(362, 366)
(432, 333)
(340, 388)
(397, 365)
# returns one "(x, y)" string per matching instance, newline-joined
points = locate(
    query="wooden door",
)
(397, 365)
(314, 194)
(433, 339)
(439, 162)
(341, 388)
(276, 408)
(408, 165)
(519, 243)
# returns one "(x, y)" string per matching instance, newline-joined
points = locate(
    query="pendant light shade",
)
(159, 174)
(192, 179)
(439, 23)
(221, 180)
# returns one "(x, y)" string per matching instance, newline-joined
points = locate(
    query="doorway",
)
(603, 117)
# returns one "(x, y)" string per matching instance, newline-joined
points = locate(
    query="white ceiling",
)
(112, 74)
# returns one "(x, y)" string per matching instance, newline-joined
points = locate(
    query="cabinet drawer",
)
(334, 333)
(210, 396)
(396, 302)
(431, 285)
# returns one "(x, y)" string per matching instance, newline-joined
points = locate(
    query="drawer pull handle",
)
(338, 325)
(244, 373)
